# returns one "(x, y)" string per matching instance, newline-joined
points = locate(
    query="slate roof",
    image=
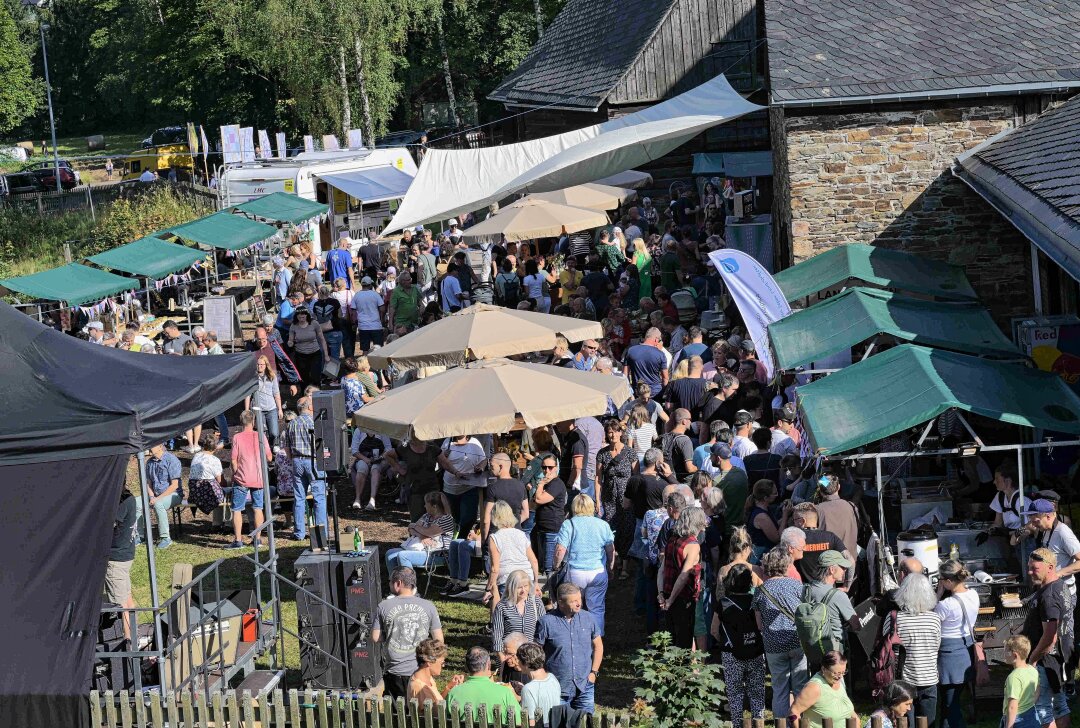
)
(584, 53)
(829, 51)
(1032, 176)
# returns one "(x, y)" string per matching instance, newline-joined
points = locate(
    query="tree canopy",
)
(300, 66)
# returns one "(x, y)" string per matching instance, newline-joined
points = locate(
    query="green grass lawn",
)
(74, 148)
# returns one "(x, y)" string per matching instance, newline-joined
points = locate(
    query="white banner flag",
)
(205, 144)
(330, 143)
(309, 143)
(247, 143)
(264, 145)
(758, 298)
(282, 152)
(230, 144)
(356, 139)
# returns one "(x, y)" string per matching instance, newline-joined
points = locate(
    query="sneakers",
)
(235, 545)
(459, 590)
(370, 506)
(164, 544)
(450, 587)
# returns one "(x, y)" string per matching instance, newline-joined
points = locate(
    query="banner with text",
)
(247, 144)
(309, 143)
(264, 145)
(758, 298)
(230, 144)
(282, 152)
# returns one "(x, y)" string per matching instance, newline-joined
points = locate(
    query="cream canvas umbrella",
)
(490, 396)
(481, 332)
(591, 195)
(530, 218)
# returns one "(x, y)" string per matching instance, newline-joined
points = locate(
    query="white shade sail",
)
(451, 181)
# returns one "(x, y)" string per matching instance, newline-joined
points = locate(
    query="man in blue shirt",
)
(297, 441)
(163, 479)
(282, 280)
(573, 647)
(646, 363)
(339, 262)
(285, 313)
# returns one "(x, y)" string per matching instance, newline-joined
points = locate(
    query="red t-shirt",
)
(247, 471)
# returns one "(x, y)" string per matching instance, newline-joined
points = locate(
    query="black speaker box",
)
(362, 588)
(319, 627)
(328, 411)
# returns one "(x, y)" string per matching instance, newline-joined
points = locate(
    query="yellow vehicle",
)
(159, 159)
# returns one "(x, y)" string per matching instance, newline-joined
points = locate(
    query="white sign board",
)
(220, 316)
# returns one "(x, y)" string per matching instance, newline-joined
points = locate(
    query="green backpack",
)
(812, 625)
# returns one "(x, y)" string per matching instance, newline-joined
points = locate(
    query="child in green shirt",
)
(1021, 687)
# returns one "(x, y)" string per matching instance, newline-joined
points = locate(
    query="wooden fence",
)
(331, 709)
(297, 709)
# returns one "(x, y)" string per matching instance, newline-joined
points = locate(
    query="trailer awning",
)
(73, 284)
(222, 230)
(733, 164)
(151, 257)
(877, 266)
(859, 314)
(283, 207)
(909, 385)
(374, 184)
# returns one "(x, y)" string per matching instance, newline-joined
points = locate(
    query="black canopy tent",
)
(75, 413)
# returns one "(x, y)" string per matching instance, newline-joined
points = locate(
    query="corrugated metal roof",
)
(826, 51)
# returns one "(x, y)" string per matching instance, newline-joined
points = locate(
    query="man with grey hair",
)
(647, 363)
(198, 335)
(511, 670)
(403, 621)
(793, 539)
(586, 358)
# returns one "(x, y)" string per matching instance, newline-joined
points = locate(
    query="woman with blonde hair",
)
(509, 551)
(267, 399)
(588, 544)
(682, 370)
(520, 611)
(643, 262)
(430, 658)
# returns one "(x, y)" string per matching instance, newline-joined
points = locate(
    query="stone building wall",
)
(882, 177)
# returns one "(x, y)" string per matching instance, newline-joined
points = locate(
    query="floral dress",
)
(616, 471)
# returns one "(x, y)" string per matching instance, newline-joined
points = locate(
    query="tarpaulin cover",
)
(222, 230)
(734, 164)
(73, 284)
(77, 411)
(909, 385)
(151, 257)
(877, 266)
(451, 181)
(858, 314)
(373, 184)
(283, 207)
(75, 399)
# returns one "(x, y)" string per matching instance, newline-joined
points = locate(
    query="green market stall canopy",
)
(858, 314)
(222, 230)
(909, 385)
(876, 266)
(283, 207)
(73, 284)
(150, 257)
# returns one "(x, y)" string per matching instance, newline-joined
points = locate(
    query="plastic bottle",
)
(954, 552)
(356, 541)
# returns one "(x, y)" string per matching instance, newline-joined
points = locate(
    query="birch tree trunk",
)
(539, 19)
(346, 103)
(365, 102)
(446, 69)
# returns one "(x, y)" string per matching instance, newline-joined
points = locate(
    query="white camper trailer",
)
(357, 184)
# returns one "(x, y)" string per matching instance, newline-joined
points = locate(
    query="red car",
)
(46, 172)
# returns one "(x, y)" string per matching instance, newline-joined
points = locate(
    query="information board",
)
(220, 316)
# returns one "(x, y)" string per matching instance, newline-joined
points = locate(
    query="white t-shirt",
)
(954, 623)
(464, 458)
(743, 446)
(366, 303)
(782, 444)
(204, 466)
(1011, 517)
(1063, 542)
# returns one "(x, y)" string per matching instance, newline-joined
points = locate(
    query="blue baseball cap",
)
(722, 450)
(1038, 507)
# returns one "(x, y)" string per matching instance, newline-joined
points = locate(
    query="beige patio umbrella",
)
(490, 396)
(481, 332)
(530, 218)
(591, 195)
(630, 178)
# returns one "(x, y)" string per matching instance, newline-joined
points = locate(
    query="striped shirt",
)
(445, 524)
(920, 634)
(507, 619)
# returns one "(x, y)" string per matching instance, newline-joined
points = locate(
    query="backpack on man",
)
(811, 620)
(511, 295)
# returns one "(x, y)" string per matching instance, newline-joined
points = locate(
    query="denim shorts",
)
(240, 497)
(1027, 719)
(1050, 705)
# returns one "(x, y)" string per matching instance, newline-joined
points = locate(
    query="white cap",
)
(96, 325)
(418, 229)
(616, 229)
(452, 222)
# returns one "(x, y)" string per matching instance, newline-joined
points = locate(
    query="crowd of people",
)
(696, 489)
